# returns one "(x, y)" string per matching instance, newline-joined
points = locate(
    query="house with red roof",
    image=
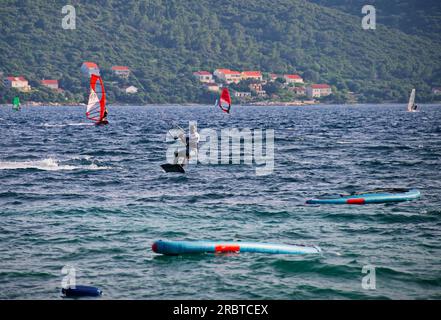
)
(293, 78)
(19, 83)
(121, 71)
(227, 75)
(255, 75)
(203, 76)
(89, 68)
(52, 84)
(318, 90)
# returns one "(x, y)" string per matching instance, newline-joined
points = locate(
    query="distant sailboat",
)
(16, 104)
(411, 106)
(224, 101)
(96, 107)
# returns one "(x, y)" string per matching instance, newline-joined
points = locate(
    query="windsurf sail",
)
(224, 101)
(96, 107)
(16, 104)
(411, 104)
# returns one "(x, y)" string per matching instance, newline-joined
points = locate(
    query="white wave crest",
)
(47, 165)
(51, 125)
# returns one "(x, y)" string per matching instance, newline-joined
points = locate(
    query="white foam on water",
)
(48, 164)
(50, 125)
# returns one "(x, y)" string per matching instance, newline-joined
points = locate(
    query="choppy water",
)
(96, 198)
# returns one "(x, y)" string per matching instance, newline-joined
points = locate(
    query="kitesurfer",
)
(191, 145)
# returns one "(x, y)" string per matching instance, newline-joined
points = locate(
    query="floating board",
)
(193, 247)
(374, 196)
(81, 291)
(173, 168)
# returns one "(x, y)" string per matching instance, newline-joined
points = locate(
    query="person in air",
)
(191, 145)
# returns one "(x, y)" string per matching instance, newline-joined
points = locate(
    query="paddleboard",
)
(81, 291)
(374, 196)
(194, 247)
(177, 168)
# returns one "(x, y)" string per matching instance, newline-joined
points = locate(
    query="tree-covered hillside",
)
(418, 17)
(164, 41)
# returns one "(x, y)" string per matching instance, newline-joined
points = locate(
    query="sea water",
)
(94, 199)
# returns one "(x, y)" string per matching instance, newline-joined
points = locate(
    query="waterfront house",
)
(203, 76)
(292, 78)
(52, 84)
(90, 68)
(255, 75)
(318, 90)
(228, 76)
(19, 83)
(121, 71)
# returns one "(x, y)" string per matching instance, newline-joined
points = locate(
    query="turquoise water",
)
(95, 198)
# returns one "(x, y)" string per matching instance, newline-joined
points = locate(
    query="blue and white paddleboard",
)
(192, 247)
(374, 196)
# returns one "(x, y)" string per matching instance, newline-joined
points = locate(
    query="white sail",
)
(93, 101)
(410, 106)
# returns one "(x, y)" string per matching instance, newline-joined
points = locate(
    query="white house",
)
(19, 83)
(131, 90)
(255, 75)
(121, 71)
(239, 94)
(52, 84)
(229, 76)
(204, 76)
(318, 90)
(293, 78)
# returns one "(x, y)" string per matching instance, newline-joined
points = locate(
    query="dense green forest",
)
(164, 41)
(418, 17)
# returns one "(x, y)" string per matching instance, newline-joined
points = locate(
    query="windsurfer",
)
(103, 121)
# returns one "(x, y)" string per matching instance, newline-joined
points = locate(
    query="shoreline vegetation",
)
(254, 104)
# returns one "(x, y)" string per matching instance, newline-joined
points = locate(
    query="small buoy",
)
(81, 291)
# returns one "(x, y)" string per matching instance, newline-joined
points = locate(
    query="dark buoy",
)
(81, 291)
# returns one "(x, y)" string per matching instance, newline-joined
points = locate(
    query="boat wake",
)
(47, 165)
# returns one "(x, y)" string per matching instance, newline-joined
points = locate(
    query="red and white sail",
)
(96, 106)
(224, 101)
